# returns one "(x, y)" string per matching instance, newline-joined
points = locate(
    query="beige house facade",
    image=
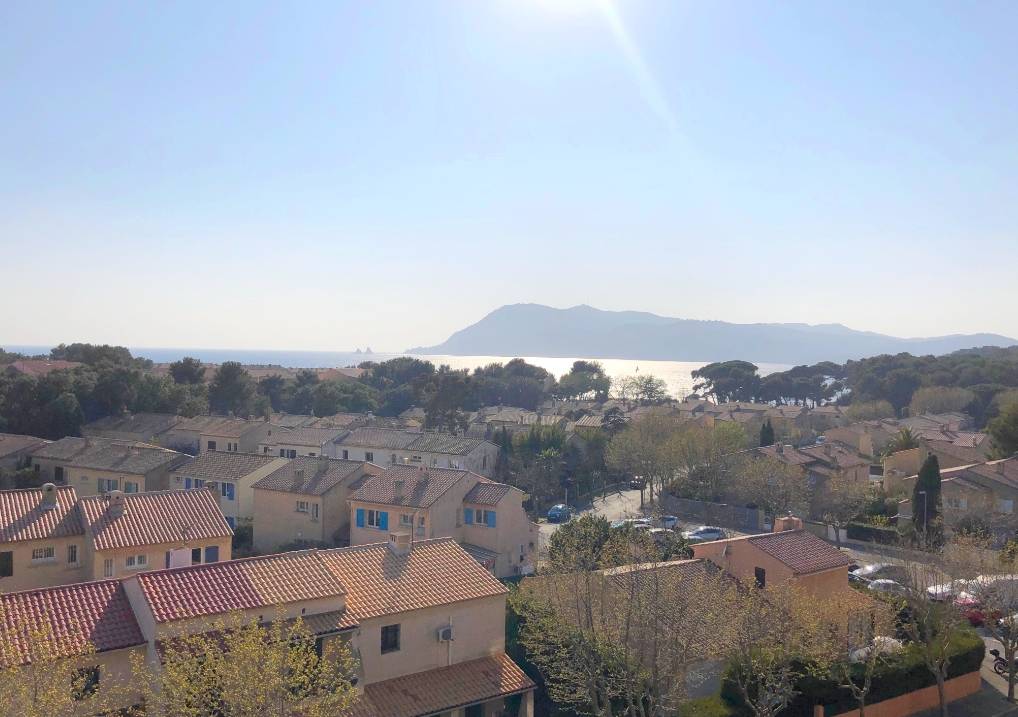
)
(16, 451)
(390, 446)
(94, 466)
(485, 517)
(217, 433)
(300, 441)
(304, 501)
(231, 476)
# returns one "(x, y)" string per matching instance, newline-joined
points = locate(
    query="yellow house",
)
(50, 537)
(390, 446)
(217, 433)
(299, 441)
(231, 476)
(304, 501)
(16, 450)
(94, 466)
(487, 518)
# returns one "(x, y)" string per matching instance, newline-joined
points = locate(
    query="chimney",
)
(298, 479)
(1000, 466)
(323, 464)
(49, 496)
(398, 486)
(116, 503)
(789, 522)
(399, 542)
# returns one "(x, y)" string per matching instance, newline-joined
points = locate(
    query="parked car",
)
(883, 585)
(660, 535)
(971, 608)
(704, 534)
(559, 513)
(885, 571)
(947, 591)
(858, 579)
(669, 521)
(637, 482)
(636, 523)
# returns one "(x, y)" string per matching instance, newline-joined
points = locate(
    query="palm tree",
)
(903, 441)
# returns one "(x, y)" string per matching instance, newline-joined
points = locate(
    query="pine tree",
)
(926, 507)
(767, 434)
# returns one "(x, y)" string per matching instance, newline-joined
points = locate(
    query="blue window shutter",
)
(231, 491)
(187, 483)
(468, 516)
(360, 517)
(212, 554)
(490, 517)
(383, 520)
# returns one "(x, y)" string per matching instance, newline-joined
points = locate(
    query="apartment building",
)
(16, 450)
(426, 621)
(302, 441)
(142, 427)
(217, 433)
(304, 501)
(48, 536)
(94, 466)
(985, 491)
(485, 517)
(389, 446)
(231, 476)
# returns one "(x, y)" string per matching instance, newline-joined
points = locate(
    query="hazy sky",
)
(330, 175)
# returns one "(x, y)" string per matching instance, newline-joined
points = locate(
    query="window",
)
(130, 486)
(212, 445)
(72, 554)
(378, 519)
(108, 568)
(484, 462)
(390, 638)
(368, 456)
(265, 449)
(43, 554)
(227, 490)
(194, 483)
(392, 459)
(195, 556)
(1005, 506)
(212, 554)
(302, 506)
(312, 454)
(108, 484)
(232, 522)
(346, 454)
(58, 474)
(314, 511)
(434, 462)
(292, 453)
(136, 562)
(85, 682)
(406, 519)
(282, 453)
(760, 575)
(415, 459)
(6, 564)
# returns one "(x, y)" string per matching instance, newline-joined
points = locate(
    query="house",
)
(387, 446)
(953, 449)
(868, 438)
(303, 501)
(784, 555)
(985, 491)
(142, 427)
(48, 536)
(426, 621)
(98, 465)
(16, 450)
(217, 433)
(302, 441)
(487, 518)
(820, 462)
(232, 477)
(42, 367)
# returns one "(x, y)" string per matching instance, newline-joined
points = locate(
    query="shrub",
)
(872, 533)
(712, 706)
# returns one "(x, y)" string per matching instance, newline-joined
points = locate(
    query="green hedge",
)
(872, 533)
(903, 674)
(712, 706)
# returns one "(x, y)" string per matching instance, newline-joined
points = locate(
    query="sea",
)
(676, 374)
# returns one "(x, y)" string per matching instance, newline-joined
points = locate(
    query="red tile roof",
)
(11, 443)
(435, 572)
(421, 486)
(217, 588)
(71, 616)
(42, 367)
(487, 493)
(444, 689)
(172, 516)
(23, 518)
(801, 551)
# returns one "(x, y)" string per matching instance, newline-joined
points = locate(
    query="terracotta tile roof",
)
(110, 454)
(172, 516)
(785, 454)
(226, 426)
(251, 583)
(42, 367)
(150, 424)
(421, 486)
(11, 443)
(319, 476)
(801, 551)
(389, 438)
(325, 622)
(445, 689)
(224, 465)
(23, 518)
(304, 436)
(590, 422)
(487, 493)
(435, 572)
(73, 617)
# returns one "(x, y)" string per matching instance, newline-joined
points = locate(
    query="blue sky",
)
(330, 175)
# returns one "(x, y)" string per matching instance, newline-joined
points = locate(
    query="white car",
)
(883, 585)
(634, 523)
(704, 534)
(882, 644)
(948, 591)
(669, 521)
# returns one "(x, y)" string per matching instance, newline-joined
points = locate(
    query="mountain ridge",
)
(584, 331)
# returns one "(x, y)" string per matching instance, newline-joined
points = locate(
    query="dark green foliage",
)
(1003, 431)
(926, 506)
(767, 434)
(187, 370)
(232, 390)
(872, 533)
(586, 379)
(728, 381)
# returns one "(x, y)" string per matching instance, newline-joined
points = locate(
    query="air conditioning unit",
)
(445, 634)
